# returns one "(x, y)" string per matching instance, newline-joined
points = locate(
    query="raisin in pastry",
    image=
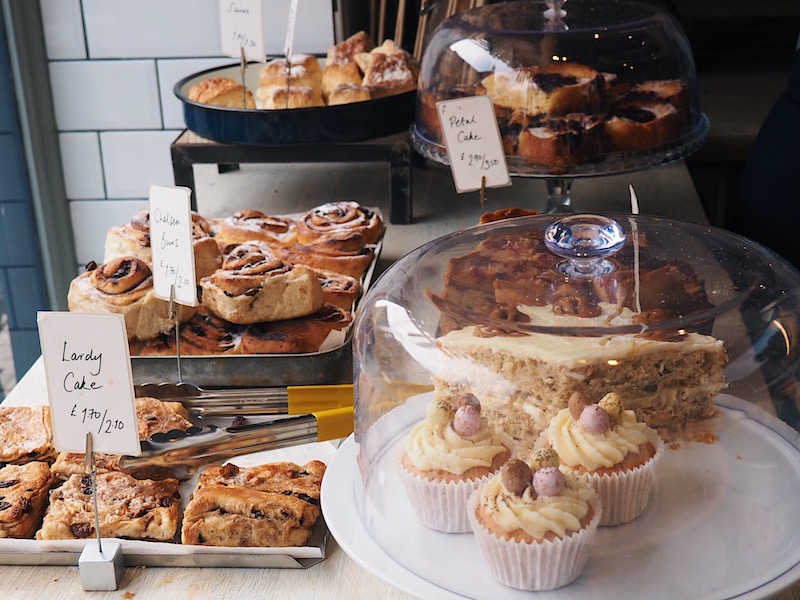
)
(268, 505)
(128, 508)
(25, 434)
(23, 497)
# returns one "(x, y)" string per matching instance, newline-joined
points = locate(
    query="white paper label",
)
(241, 28)
(89, 384)
(287, 46)
(172, 244)
(473, 143)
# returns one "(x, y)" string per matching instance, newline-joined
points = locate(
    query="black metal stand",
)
(190, 149)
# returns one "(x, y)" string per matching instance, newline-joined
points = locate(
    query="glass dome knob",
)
(586, 241)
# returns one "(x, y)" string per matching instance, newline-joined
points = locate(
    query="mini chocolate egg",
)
(439, 412)
(548, 481)
(466, 421)
(594, 419)
(544, 457)
(466, 399)
(576, 403)
(516, 476)
(612, 404)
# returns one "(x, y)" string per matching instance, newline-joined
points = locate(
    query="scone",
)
(390, 74)
(222, 91)
(347, 93)
(128, 508)
(254, 286)
(346, 51)
(26, 434)
(447, 457)
(334, 76)
(23, 497)
(268, 505)
(280, 98)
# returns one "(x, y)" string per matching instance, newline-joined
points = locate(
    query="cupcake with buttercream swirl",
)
(446, 457)
(534, 522)
(606, 446)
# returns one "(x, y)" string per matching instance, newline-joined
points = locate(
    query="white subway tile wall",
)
(113, 66)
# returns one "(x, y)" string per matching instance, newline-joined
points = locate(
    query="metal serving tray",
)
(263, 370)
(340, 123)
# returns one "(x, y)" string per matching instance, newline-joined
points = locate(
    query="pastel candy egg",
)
(594, 419)
(516, 476)
(467, 399)
(466, 421)
(548, 481)
(544, 457)
(612, 404)
(438, 412)
(576, 403)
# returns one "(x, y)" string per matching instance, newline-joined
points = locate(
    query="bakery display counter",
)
(666, 191)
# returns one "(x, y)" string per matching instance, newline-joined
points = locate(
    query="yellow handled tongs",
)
(291, 400)
(202, 445)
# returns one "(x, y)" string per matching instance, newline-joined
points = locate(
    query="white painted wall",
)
(113, 64)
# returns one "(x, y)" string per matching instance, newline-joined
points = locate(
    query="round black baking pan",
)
(341, 123)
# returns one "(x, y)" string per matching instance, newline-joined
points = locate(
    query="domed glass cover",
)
(595, 86)
(550, 292)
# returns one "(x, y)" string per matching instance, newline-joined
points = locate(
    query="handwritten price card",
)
(89, 383)
(473, 143)
(171, 242)
(242, 29)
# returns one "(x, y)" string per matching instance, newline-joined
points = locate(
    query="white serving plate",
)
(721, 523)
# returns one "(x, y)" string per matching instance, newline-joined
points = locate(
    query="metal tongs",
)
(293, 415)
(292, 400)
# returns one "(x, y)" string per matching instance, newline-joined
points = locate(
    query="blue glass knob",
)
(585, 241)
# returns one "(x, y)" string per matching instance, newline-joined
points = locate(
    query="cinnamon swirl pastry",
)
(254, 225)
(124, 286)
(345, 254)
(254, 286)
(295, 336)
(339, 290)
(336, 218)
(133, 239)
(204, 334)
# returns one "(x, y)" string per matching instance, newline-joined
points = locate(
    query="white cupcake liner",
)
(535, 566)
(441, 505)
(625, 495)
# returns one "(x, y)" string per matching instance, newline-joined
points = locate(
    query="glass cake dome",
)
(585, 87)
(694, 327)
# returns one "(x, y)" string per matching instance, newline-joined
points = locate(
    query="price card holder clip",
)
(173, 315)
(101, 565)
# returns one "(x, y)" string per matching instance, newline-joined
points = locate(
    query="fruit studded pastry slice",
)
(152, 416)
(254, 226)
(644, 124)
(127, 508)
(25, 434)
(254, 286)
(205, 334)
(551, 89)
(124, 286)
(23, 497)
(295, 336)
(335, 219)
(133, 239)
(561, 141)
(269, 505)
